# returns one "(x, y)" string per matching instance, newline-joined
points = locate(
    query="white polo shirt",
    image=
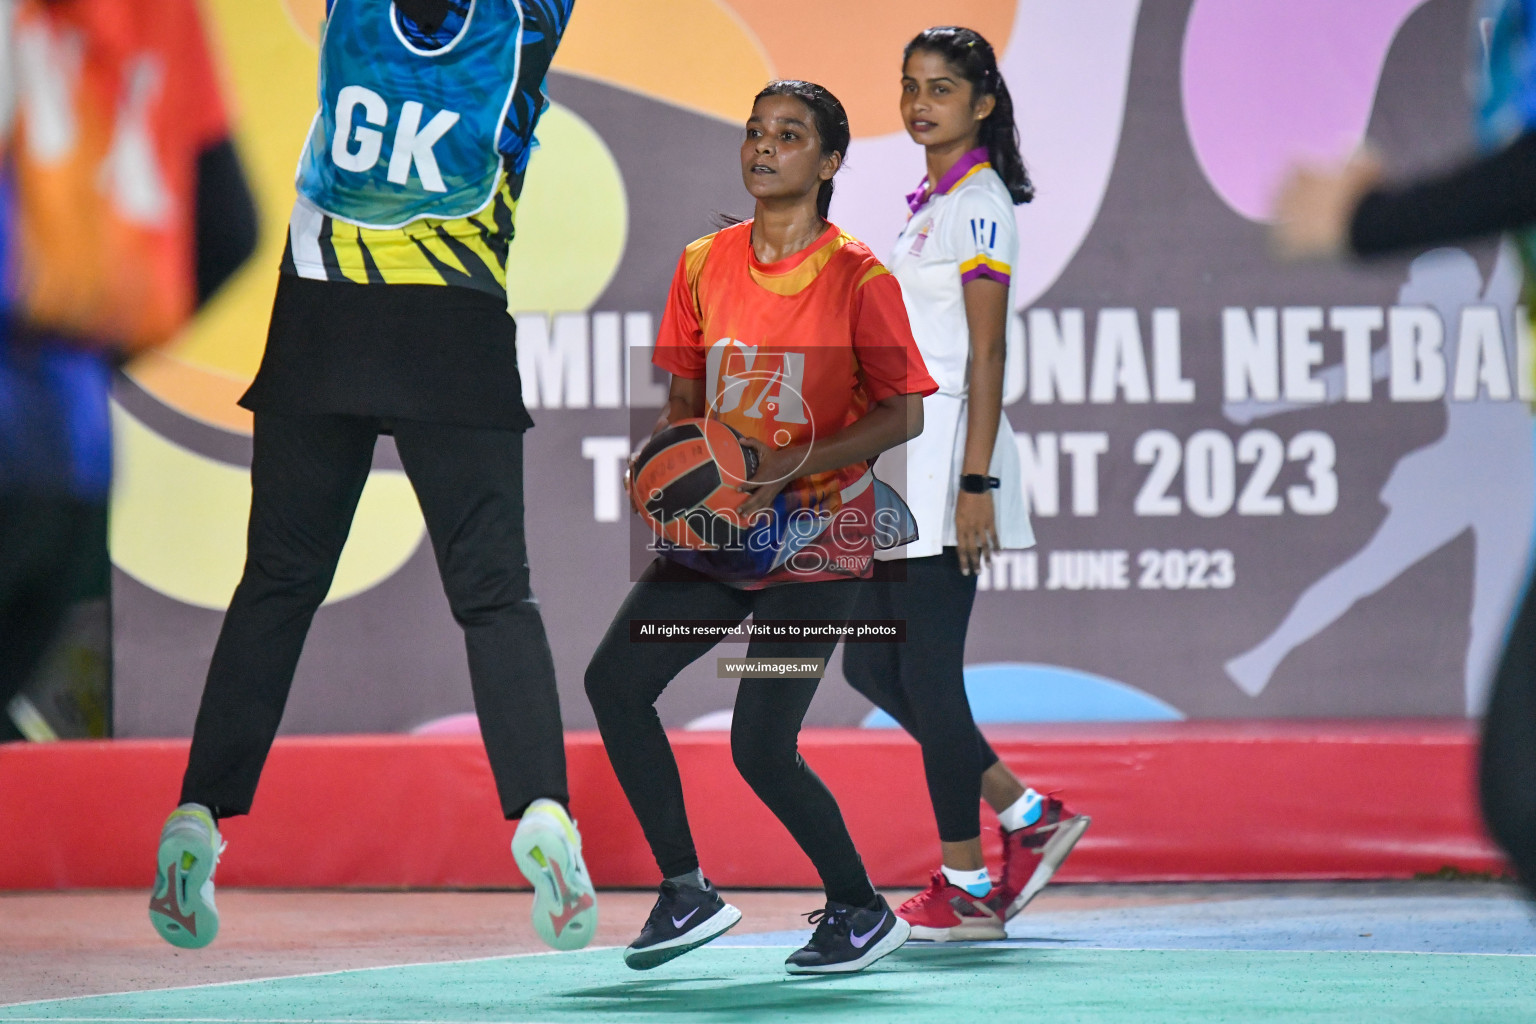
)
(960, 230)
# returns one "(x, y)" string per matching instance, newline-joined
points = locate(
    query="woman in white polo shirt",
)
(954, 261)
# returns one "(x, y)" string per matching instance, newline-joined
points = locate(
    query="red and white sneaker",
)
(944, 912)
(1032, 854)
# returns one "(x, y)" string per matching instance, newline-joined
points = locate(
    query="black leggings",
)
(1509, 747)
(307, 474)
(625, 679)
(921, 682)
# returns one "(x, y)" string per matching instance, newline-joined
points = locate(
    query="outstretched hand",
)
(1315, 205)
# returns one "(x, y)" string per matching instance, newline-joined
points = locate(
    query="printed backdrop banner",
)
(1260, 490)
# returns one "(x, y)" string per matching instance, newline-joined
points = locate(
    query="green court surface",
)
(918, 983)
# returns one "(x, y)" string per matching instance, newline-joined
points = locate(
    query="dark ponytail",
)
(831, 125)
(971, 55)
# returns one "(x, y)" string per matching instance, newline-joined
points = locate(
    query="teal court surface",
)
(1400, 952)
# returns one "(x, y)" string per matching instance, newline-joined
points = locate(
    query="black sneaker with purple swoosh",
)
(849, 939)
(684, 918)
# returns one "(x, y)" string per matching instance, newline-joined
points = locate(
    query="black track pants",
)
(307, 474)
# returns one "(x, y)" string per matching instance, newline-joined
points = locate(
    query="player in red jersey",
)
(793, 333)
(123, 209)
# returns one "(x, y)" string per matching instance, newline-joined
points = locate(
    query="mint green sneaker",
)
(181, 907)
(547, 849)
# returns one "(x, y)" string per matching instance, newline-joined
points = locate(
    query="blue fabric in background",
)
(55, 430)
(55, 427)
(1506, 83)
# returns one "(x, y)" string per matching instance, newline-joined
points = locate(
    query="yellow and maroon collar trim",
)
(968, 165)
(792, 275)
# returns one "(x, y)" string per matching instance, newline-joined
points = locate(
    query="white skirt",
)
(926, 472)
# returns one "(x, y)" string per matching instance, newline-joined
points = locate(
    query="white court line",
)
(935, 947)
(1018, 944)
(999, 944)
(289, 977)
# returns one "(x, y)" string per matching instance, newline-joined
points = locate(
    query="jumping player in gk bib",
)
(390, 317)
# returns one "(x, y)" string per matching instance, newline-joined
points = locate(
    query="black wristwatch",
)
(978, 483)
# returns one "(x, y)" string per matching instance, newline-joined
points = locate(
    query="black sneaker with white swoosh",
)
(683, 918)
(849, 939)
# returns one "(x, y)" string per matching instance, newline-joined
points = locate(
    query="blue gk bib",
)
(1506, 96)
(405, 132)
(1507, 88)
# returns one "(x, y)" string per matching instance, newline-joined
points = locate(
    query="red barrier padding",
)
(1191, 801)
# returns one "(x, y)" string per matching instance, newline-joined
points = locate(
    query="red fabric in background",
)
(1184, 801)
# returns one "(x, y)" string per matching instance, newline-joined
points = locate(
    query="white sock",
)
(977, 883)
(1023, 811)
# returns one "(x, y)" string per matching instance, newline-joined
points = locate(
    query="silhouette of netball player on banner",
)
(1464, 480)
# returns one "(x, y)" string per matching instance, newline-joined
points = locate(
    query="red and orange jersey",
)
(109, 105)
(793, 350)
